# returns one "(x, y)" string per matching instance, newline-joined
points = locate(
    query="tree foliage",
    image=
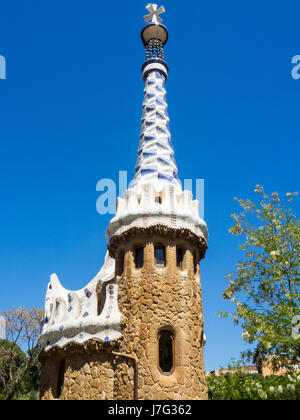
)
(265, 288)
(20, 369)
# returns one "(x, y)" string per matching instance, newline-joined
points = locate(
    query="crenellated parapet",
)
(155, 203)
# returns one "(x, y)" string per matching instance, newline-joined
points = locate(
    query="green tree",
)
(17, 358)
(265, 288)
(258, 356)
(18, 369)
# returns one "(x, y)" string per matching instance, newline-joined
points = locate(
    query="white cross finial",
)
(154, 13)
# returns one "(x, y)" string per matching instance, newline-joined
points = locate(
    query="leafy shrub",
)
(239, 385)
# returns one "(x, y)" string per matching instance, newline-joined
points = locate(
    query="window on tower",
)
(61, 378)
(195, 263)
(179, 258)
(158, 199)
(166, 352)
(120, 263)
(160, 255)
(139, 257)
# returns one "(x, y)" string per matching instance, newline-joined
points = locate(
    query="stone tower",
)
(136, 330)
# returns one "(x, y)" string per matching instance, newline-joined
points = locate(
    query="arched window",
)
(139, 257)
(61, 378)
(120, 264)
(158, 199)
(160, 255)
(166, 352)
(179, 258)
(195, 263)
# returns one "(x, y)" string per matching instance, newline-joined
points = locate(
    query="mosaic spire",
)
(155, 153)
(155, 196)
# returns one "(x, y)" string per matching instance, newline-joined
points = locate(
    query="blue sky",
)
(70, 115)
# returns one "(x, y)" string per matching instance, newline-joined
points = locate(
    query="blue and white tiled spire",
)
(155, 195)
(155, 153)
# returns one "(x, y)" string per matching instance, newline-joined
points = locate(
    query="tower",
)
(136, 330)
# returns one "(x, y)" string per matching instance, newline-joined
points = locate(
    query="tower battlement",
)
(154, 203)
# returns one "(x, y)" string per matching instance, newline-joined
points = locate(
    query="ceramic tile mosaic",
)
(65, 323)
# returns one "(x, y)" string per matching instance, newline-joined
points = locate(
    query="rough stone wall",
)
(89, 372)
(155, 298)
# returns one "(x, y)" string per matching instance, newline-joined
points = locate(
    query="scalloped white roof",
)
(72, 316)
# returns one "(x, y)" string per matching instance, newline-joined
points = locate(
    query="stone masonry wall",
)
(89, 372)
(152, 299)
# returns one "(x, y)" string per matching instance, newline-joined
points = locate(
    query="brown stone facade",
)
(151, 299)
(89, 372)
